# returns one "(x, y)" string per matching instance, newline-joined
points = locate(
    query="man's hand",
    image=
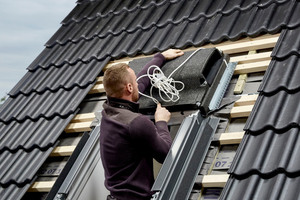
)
(162, 114)
(172, 53)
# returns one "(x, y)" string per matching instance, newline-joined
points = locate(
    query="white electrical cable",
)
(165, 85)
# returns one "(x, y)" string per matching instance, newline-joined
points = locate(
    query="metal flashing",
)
(82, 167)
(184, 160)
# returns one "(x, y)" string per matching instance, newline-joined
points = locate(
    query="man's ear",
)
(129, 87)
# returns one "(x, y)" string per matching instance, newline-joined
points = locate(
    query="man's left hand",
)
(172, 53)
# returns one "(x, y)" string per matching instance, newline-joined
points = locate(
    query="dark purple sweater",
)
(128, 143)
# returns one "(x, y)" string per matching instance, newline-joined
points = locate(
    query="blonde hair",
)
(115, 78)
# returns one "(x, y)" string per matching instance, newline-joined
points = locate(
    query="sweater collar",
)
(122, 103)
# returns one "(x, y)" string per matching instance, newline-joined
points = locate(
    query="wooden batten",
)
(41, 186)
(62, 151)
(252, 67)
(78, 127)
(231, 138)
(246, 100)
(99, 79)
(214, 180)
(249, 46)
(86, 117)
(229, 47)
(252, 58)
(241, 111)
(240, 84)
(98, 88)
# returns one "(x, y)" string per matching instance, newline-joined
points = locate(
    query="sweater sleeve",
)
(144, 82)
(155, 139)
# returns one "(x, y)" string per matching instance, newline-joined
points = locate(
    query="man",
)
(128, 140)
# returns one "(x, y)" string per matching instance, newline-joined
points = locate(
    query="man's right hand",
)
(172, 53)
(162, 114)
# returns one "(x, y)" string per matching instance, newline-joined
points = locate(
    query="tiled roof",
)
(267, 165)
(29, 135)
(125, 33)
(46, 98)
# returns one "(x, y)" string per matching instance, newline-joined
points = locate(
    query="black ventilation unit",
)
(201, 75)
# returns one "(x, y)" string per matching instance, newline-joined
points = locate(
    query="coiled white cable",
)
(165, 85)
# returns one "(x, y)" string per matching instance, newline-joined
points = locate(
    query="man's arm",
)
(156, 138)
(159, 60)
(152, 139)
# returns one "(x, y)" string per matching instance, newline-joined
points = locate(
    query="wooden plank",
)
(249, 46)
(252, 67)
(241, 111)
(41, 186)
(252, 58)
(99, 79)
(78, 127)
(246, 100)
(62, 151)
(86, 117)
(215, 180)
(240, 84)
(239, 87)
(98, 88)
(231, 138)
(229, 47)
(123, 60)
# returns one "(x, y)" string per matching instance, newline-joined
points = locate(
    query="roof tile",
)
(20, 168)
(282, 75)
(287, 47)
(281, 187)
(268, 153)
(55, 78)
(280, 111)
(29, 134)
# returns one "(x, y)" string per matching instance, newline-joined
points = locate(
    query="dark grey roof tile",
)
(20, 168)
(280, 187)
(280, 111)
(54, 78)
(294, 20)
(29, 134)
(201, 29)
(282, 75)
(13, 192)
(287, 46)
(174, 13)
(268, 153)
(71, 53)
(93, 9)
(48, 105)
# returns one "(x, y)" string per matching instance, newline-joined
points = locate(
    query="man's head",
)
(120, 82)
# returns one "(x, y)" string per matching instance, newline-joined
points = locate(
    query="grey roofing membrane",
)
(96, 31)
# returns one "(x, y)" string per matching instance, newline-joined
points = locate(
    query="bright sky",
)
(25, 26)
